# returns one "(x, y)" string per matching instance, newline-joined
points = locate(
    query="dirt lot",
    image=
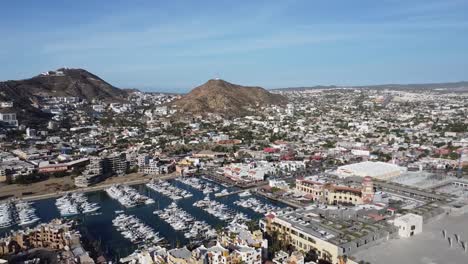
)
(57, 185)
(43, 187)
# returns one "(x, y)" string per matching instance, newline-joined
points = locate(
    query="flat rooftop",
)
(428, 247)
(336, 231)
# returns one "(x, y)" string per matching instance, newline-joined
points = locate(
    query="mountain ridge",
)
(443, 85)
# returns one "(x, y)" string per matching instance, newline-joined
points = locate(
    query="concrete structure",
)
(409, 225)
(376, 170)
(429, 246)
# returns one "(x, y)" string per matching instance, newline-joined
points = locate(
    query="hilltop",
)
(66, 82)
(226, 99)
(62, 82)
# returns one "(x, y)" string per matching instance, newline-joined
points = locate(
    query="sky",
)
(173, 46)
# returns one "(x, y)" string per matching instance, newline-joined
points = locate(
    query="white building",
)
(8, 117)
(409, 224)
(7, 104)
(281, 184)
(98, 108)
(292, 165)
(249, 254)
(248, 172)
(377, 170)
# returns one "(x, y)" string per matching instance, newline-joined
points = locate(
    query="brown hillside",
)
(227, 99)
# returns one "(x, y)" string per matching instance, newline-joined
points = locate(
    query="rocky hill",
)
(66, 82)
(62, 82)
(226, 99)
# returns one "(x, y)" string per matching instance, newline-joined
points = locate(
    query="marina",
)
(75, 203)
(137, 232)
(116, 245)
(17, 213)
(220, 211)
(204, 186)
(256, 205)
(182, 221)
(169, 190)
(127, 196)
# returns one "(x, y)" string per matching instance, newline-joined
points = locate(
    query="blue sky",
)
(177, 45)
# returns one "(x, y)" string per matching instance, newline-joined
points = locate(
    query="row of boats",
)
(127, 196)
(256, 205)
(205, 187)
(169, 190)
(17, 212)
(219, 210)
(182, 221)
(75, 203)
(136, 231)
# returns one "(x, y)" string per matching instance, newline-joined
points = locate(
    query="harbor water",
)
(113, 244)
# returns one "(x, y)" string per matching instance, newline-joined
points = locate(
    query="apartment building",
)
(331, 239)
(116, 164)
(92, 174)
(56, 235)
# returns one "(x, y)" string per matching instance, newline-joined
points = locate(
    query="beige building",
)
(3, 177)
(331, 240)
(57, 235)
(330, 193)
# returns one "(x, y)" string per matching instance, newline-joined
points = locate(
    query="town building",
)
(3, 177)
(247, 172)
(282, 257)
(8, 117)
(330, 193)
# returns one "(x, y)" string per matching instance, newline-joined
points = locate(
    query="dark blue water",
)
(113, 243)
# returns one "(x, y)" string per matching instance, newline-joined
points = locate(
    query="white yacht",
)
(244, 194)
